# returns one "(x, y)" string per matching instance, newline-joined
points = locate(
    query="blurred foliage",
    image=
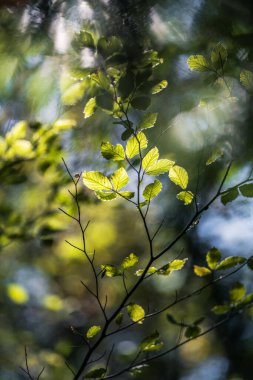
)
(58, 59)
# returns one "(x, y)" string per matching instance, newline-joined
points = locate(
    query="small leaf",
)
(93, 330)
(135, 144)
(237, 292)
(186, 197)
(198, 63)
(201, 271)
(179, 176)
(17, 293)
(152, 190)
(219, 55)
(230, 196)
(230, 262)
(106, 195)
(148, 121)
(119, 319)
(159, 87)
(111, 270)
(119, 179)
(246, 79)
(166, 269)
(90, 107)
(213, 257)
(126, 194)
(217, 153)
(129, 261)
(151, 270)
(151, 343)
(140, 102)
(97, 373)
(247, 190)
(192, 331)
(110, 152)
(221, 309)
(96, 181)
(136, 312)
(137, 369)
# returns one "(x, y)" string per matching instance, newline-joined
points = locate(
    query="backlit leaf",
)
(216, 154)
(198, 63)
(136, 312)
(135, 144)
(151, 270)
(152, 190)
(93, 330)
(96, 181)
(106, 195)
(160, 167)
(201, 271)
(129, 261)
(213, 256)
(119, 178)
(17, 293)
(230, 262)
(126, 194)
(237, 292)
(111, 152)
(110, 270)
(159, 87)
(219, 55)
(148, 121)
(221, 309)
(89, 108)
(247, 190)
(186, 197)
(150, 158)
(179, 176)
(170, 267)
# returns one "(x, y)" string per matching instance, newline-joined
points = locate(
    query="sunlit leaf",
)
(90, 108)
(247, 190)
(20, 148)
(172, 266)
(73, 94)
(17, 293)
(129, 261)
(111, 152)
(237, 292)
(159, 87)
(179, 176)
(106, 196)
(126, 194)
(201, 271)
(151, 270)
(213, 256)
(135, 144)
(148, 121)
(140, 102)
(152, 190)
(136, 312)
(110, 270)
(17, 132)
(119, 178)
(221, 309)
(150, 158)
(246, 79)
(151, 343)
(93, 330)
(230, 262)
(62, 124)
(198, 63)
(186, 197)
(97, 373)
(160, 167)
(96, 181)
(230, 196)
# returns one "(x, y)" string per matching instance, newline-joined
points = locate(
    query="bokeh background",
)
(41, 294)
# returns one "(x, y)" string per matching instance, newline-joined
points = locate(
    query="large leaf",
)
(135, 144)
(89, 108)
(153, 166)
(179, 176)
(110, 152)
(213, 256)
(93, 330)
(152, 190)
(198, 63)
(96, 181)
(119, 179)
(230, 262)
(148, 121)
(186, 197)
(247, 190)
(246, 78)
(136, 312)
(129, 261)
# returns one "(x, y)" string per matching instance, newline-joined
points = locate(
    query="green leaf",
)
(151, 270)
(135, 144)
(219, 55)
(136, 312)
(159, 87)
(140, 102)
(237, 292)
(119, 179)
(230, 196)
(250, 263)
(129, 261)
(127, 133)
(179, 176)
(97, 373)
(152, 190)
(198, 63)
(213, 257)
(106, 195)
(126, 194)
(105, 101)
(93, 330)
(126, 85)
(110, 270)
(186, 197)
(150, 343)
(217, 153)
(119, 319)
(192, 331)
(245, 301)
(201, 271)
(110, 152)
(90, 108)
(221, 309)
(96, 181)
(230, 262)
(166, 269)
(247, 190)
(148, 121)
(153, 166)
(246, 79)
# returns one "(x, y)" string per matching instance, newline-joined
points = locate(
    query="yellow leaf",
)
(179, 176)
(201, 271)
